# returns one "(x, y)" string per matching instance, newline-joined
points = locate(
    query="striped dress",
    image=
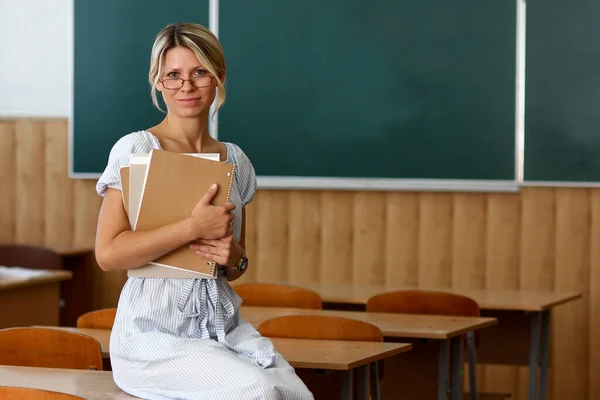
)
(184, 338)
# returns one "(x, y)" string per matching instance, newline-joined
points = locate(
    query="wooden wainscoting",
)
(542, 238)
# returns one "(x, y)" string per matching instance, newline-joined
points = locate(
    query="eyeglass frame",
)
(183, 81)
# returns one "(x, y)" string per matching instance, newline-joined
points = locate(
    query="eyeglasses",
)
(177, 83)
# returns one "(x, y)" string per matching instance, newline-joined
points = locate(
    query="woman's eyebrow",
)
(179, 70)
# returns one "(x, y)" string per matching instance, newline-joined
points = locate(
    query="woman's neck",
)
(190, 132)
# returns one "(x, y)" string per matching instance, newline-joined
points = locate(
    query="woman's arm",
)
(233, 273)
(118, 247)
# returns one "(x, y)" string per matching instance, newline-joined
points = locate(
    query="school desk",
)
(444, 336)
(521, 337)
(28, 301)
(337, 355)
(76, 293)
(92, 385)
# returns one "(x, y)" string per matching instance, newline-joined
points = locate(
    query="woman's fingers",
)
(213, 257)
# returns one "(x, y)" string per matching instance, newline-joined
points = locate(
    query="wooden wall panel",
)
(305, 233)
(58, 194)
(468, 241)
(435, 240)
(272, 236)
(30, 181)
(540, 239)
(594, 298)
(538, 243)
(402, 239)
(337, 239)
(8, 186)
(572, 268)
(502, 255)
(369, 238)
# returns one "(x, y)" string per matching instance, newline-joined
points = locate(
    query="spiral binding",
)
(231, 182)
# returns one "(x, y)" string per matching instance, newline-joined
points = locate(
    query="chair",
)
(436, 303)
(18, 393)
(327, 328)
(29, 257)
(276, 295)
(424, 302)
(50, 348)
(99, 319)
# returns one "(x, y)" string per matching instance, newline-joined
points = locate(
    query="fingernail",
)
(213, 186)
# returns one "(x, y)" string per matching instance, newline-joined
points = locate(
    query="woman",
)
(183, 338)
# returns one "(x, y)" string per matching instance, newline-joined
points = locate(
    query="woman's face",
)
(195, 97)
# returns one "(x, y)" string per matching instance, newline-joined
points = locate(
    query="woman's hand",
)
(211, 222)
(224, 251)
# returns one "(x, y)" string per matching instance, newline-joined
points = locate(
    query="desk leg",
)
(347, 385)
(544, 354)
(534, 354)
(472, 355)
(457, 368)
(443, 356)
(374, 376)
(363, 382)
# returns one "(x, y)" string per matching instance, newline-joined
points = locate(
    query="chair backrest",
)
(99, 319)
(424, 302)
(320, 327)
(29, 257)
(276, 295)
(50, 348)
(18, 393)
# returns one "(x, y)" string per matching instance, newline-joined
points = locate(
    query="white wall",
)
(35, 58)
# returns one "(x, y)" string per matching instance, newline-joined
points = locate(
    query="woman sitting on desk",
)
(184, 338)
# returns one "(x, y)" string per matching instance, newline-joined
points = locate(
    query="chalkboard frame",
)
(392, 184)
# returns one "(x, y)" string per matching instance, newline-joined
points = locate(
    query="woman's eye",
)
(172, 74)
(201, 72)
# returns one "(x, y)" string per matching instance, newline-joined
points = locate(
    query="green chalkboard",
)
(562, 114)
(372, 88)
(111, 95)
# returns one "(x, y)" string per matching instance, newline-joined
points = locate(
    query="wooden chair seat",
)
(426, 302)
(320, 327)
(275, 295)
(99, 319)
(327, 328)
(50, 348)
(19, 393)
(431, 302)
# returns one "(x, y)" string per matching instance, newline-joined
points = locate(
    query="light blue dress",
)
(184, 338)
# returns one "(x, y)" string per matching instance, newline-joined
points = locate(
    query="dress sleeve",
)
(246, 177)
(119, 156)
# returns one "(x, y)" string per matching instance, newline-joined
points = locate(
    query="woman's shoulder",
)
(235, 154)
(136, 142)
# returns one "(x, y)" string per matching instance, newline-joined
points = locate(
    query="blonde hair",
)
(198, 39)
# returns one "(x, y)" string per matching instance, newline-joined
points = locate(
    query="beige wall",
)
(540, 239)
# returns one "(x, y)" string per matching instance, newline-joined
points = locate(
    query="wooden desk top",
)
(301, 353)
(392, 325)
(93, 385)
(509, 300)
(50, 277)
(68, 251)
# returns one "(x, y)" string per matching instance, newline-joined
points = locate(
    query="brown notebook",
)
(173, 185)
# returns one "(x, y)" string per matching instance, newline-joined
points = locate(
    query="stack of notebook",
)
(163, 187)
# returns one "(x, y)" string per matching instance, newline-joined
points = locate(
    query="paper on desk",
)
(20, 272)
